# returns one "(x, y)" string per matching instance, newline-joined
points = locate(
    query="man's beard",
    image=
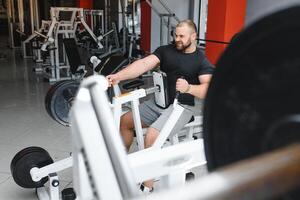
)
(182, 47)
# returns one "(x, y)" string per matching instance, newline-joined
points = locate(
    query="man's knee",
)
(126, 121)
(151, 136)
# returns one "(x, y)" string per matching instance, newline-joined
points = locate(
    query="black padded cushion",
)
(72, 54)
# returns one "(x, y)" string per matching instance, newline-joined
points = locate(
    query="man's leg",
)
(150, 138)
(126, 129)
(155, 128)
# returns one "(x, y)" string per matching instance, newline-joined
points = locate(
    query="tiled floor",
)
(24, 121)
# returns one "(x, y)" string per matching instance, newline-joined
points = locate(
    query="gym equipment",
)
(61, 28)
(200, 16)
(19, 13)
(74, 60)
(99, 154)
(244, 115)
(24, 161)
(32, 167)
(161, 99)
(263, 177)
(253, 94)
(111, 47)
(68, 194)
(95, 18)
(252, 106)
(68, 27)
(4, 4)
(108, 65)
(60, 96)
(41, 172)
(59, 100)
(32, 43)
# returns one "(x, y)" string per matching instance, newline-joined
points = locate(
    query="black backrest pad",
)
(113, 64)
(72, 54)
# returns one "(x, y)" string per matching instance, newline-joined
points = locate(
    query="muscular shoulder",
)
(200, 52)
(168, 46)
(161, 51)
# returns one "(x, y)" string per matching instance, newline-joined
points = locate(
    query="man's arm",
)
(200, 90)
(134, 70)
(195, 90)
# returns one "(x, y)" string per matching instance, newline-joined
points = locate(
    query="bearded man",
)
(188, 71)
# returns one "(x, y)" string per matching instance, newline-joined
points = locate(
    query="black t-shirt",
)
(177, 64)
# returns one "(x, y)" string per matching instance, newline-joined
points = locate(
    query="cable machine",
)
(23, 19)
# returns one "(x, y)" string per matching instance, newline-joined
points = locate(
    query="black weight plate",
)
(24, 161)
(254, 88)
(61, 101)
(49, 95)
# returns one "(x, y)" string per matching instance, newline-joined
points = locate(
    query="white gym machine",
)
(133, 97)
(95, 17)
(102, 169)
(161, 98)
(17, 19)
(61, 28)
(36, 53)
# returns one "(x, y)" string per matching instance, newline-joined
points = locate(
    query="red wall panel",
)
(145, 26)
(88, 4)
(225, 18)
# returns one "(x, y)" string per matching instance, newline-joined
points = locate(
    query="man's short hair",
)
(189, 23)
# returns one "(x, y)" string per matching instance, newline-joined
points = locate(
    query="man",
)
(182, 59)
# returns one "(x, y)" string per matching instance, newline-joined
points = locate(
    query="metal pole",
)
(203, 18)
(106, 22)
(21, 15)
(169, 30)
(13, 20)
(32, 16)
(13, 11)
(124, 25)
(9, 19)
(102, 21)
(37, 15)
(113, 141)
(132, 17)
(161, 30)
(92, 21)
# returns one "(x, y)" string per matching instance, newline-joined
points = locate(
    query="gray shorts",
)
(155, 117)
